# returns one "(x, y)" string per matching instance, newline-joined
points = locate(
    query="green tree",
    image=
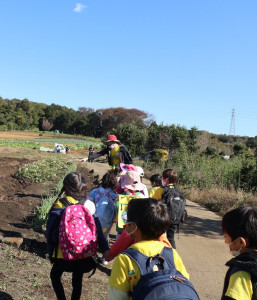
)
(191, 143)
(239, 148)
(211, 151)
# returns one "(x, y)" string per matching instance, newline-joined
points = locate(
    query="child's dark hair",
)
(171, 175)
(109, 180)
(241, 222)
(157, 179)
(150, 215)
(74, 185)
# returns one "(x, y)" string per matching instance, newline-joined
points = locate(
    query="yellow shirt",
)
(156, 192)
(115, 156)
(240, 286)
(125, 272)
(58, 203)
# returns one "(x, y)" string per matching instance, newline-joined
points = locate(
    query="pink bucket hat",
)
(131, 181)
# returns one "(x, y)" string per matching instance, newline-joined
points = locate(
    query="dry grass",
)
(221, 200)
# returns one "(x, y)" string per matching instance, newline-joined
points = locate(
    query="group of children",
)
(147, 228)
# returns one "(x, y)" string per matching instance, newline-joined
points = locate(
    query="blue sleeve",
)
(91, 195)
(102, 242)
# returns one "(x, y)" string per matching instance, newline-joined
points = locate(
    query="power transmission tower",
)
(232, 130)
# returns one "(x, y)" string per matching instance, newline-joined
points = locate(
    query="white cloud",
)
(79, 7)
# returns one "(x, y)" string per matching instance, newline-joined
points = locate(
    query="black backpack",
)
(52, 229)
(176, 204)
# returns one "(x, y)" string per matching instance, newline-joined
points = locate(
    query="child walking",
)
(104, 198)
(75, 189)
(169, 177)
(130, 187)
(157, 189)
(147, 220)
(239, 227)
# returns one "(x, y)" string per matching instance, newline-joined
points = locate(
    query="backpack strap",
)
(146, 263)
(65, 202)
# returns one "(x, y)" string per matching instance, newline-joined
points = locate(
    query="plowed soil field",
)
(24, 271)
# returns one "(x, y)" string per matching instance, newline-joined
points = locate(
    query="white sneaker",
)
(102, 261)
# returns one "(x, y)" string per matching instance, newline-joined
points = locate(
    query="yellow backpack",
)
(122, 205)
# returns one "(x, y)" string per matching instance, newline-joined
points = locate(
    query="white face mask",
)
(112, 146)
(163, 183)
(131, 231)
(234, 252)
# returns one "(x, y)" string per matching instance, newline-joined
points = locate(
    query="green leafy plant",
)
(41, 212)
(46, 169)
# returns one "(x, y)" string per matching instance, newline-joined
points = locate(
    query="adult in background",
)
(67, 149)
(116, 153)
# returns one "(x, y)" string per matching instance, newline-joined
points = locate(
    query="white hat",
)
(131, 181)
(140, 171)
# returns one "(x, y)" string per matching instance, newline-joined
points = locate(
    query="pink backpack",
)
(77, 233)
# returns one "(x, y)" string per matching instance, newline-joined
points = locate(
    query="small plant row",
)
(19, 144)
(36, 143)
(46, 169)
(40, 214)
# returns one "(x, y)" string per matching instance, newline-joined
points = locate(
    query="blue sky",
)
(186, 62)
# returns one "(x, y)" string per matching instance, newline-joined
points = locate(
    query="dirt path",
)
(200, 244)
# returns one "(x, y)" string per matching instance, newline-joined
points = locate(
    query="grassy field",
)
(19, 139)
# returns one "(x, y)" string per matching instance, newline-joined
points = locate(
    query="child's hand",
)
(107, 256)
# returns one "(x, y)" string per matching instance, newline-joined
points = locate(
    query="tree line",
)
(134, 127)
(18, 114)
(193, 152)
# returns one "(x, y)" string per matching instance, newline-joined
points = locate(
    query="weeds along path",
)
(200, 244)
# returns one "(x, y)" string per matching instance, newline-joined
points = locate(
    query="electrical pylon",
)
(232, 130)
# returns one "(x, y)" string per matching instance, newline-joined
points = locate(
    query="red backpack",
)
(77, 233)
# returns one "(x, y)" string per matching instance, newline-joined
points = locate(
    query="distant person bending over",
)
(67, 149)
(116, 153)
